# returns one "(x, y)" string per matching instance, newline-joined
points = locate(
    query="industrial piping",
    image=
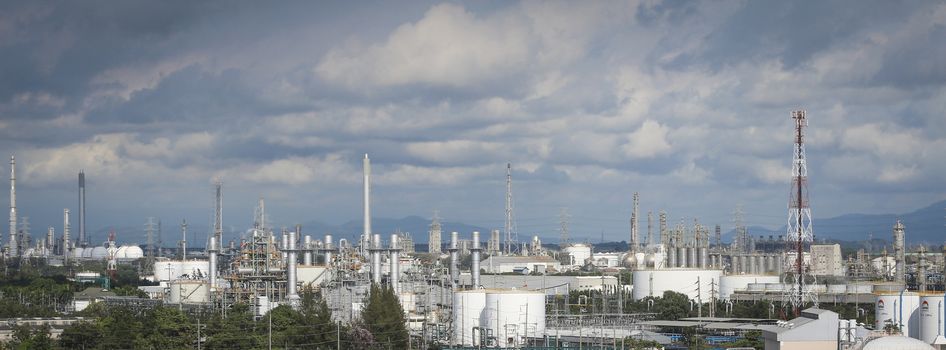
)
(475, 267)
(395, 259)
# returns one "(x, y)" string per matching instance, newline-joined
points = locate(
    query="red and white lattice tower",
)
(799, 221)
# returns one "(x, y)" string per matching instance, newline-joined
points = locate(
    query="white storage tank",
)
(731, 283)
(901, 310)
(578, 253)
(98, 253)
(188, 292)
(656, 282)
(167, 270)
(514, 316)
(468, 308)
(932, 321)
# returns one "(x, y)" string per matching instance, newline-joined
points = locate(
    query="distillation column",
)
(454, 259)
(475, 266)
(376, 259)
(395, 266)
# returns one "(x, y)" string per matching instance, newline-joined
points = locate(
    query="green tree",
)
(238, 330)
(383, 317)
(28, 338)
(81, 335)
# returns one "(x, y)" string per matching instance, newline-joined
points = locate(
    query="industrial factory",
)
(495, 291)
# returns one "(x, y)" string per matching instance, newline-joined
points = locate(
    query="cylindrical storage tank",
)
(167, 270)
(932, 322)
(188, 292)
(753, 264)
(901, 310)
(837, 288)
(731, 283)
(468, 308)
(692, 257)
(760, 264)
(744, 264)
(737, 266)
(682, 257)
(514, 316)
(756, 287)
(704, 257)
(578, 253)
(656, 282)
(671, 258)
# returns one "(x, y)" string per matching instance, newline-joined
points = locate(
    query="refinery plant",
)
(494, 290)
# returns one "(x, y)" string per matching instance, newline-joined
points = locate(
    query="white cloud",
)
(648, 141)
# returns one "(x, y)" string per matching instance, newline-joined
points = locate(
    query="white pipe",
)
(395, 259)
(307, 250)
(475, 266)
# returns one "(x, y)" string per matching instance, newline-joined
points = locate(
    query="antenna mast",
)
(799, 214)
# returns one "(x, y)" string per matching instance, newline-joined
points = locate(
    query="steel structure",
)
(799, 216)
(434, 245)
(83, 242)
(510, 227)
(634, 242)
(12, 249)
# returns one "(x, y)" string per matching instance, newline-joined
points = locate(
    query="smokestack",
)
(475, 267)
(307, 250)
(285, 246)
(48, 244)
(367, 201)
(376, 259)
(82, 238)
(66, 251)
(12, 249)
(898, 233)
(212, 249)
(328, 250)
(184, 240)
(291, 264)
(395, 266)
(454, 259)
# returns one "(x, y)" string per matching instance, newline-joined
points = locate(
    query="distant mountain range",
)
(924, 225)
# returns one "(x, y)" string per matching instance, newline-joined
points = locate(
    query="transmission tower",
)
(799, 216)
(218, 212)
(563, 220)
(149, 233)
(510, 228)
(650, 228)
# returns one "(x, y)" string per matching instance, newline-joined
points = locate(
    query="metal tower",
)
(650, 227)
(83, 241)
(741, 239)
(149, 232)
(510, 228)
(662, 222)
(799, 216)
(635, 241)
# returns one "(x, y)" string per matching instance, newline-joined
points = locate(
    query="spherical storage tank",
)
(514, 315)
(896, 342)
(77, 253)
(932, 321)
(129, 252)
(731, 283)
(468, 308)
(656, 282)
(900, 310)
(99, 253)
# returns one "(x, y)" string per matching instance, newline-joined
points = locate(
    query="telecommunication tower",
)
(799, 216)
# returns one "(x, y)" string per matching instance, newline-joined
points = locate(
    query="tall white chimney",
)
(66, 245)
(454, 258)
(12, 248)
(367, 200)
(395, 268)
(376, 259)
(475, 267)
(291, 262)
(212, 250)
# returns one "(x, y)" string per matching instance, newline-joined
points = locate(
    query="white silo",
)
(468, 308)
(932, 322)
(514, 316)
(900, 310)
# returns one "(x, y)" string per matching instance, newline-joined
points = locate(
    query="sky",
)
(687, 103)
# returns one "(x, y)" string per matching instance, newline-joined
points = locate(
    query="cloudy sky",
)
(687, 103)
